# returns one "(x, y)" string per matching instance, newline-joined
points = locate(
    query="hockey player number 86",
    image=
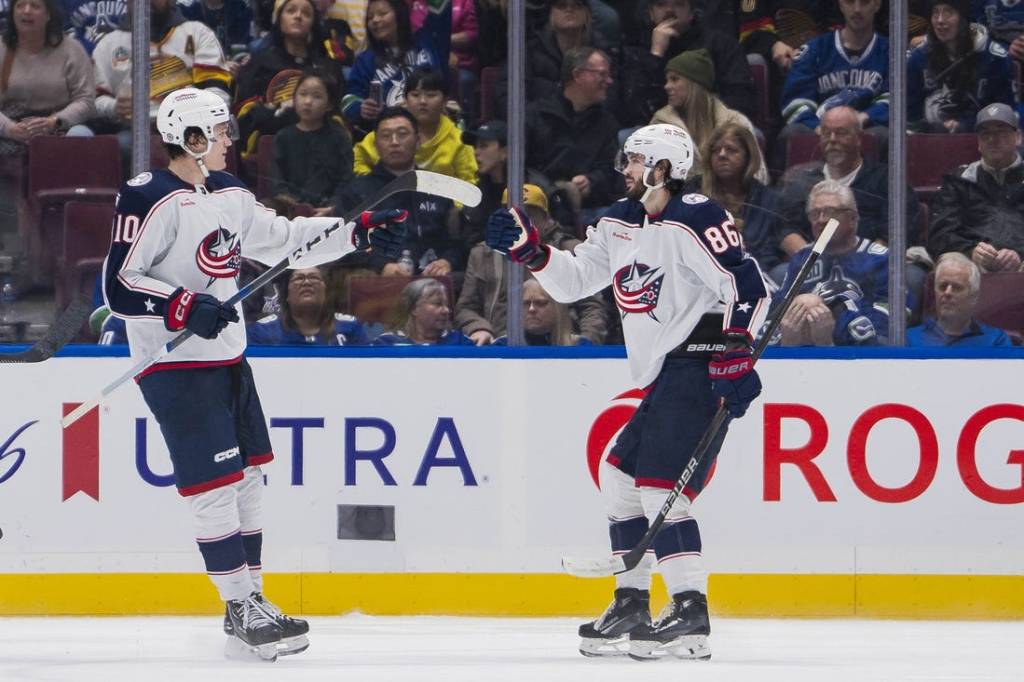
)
(721, 237)
(126, 228)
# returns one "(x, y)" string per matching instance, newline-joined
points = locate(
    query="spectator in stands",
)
(432, 237)
(465, 57)
(979, 210)
(230, 21)
(306, 317)
(490, 150)
(353, 13)
(441, 148)
(957, 287)
(423, 318)
(728, 174)
(694, 106)
(755, 26)
(846, 67)
(393, 52)
(314, 156)
(955, 72)
(569, 25)
(1004, 20)
(839, 136)
(481, 312)
(266, 84)
(673, 29)
(46, 86)
(842, 301)
(546, 322)
(571, 136)
(90, 20)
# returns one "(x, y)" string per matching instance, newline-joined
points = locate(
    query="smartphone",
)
(376, 92)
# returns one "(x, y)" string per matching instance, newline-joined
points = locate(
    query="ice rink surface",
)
(359, 648)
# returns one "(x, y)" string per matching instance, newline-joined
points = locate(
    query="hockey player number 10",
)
(126, 228)
(723, 236)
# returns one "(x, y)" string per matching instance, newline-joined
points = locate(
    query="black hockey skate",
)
(681, 631)
(609, 634)
(293, 630)
(252, 628)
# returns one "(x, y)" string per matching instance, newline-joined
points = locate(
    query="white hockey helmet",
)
(652, 143)
(193, 108)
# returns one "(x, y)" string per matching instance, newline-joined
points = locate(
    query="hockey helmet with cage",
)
(193, 108)
(653, 143)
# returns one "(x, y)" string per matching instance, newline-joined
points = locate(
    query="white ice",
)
(360, 648)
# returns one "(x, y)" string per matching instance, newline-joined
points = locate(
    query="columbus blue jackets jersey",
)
(930, 99)
(823, 76)
(666, 272)
(861, 278)
(169, 234)
(348, 331)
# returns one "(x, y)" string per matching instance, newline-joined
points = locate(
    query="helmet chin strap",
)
(199, 157)
(650, 187)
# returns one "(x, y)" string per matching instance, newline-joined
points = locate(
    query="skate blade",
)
(237, 650)
(687, 647)
(292, 645)
(597, 647)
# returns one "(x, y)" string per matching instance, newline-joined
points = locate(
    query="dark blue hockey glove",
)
(734, 380)
(509, 231)
(201, 314)
(382, 232)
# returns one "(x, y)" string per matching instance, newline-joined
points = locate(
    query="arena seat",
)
(930, 156)
(488, 82)
(373, 298)
(762, 87)
(86, 239)
(63, 169)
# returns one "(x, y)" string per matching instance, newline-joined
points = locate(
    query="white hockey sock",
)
(640, 577)
(250, 513)
(677, 545)
(626, 524)
(217, 529)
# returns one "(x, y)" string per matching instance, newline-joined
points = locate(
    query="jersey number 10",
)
(126, 228)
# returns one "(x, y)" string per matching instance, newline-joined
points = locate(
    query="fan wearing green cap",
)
(693, 104)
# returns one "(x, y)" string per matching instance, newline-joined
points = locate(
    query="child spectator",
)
(441, 148)
(267, 81)
(423, 318)
(546, 322)
(693, 104)
(305, 316)
(393, 52)
(314, 156)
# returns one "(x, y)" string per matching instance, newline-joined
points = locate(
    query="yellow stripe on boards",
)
(476, 594)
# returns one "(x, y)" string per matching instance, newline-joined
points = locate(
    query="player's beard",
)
(636, 191)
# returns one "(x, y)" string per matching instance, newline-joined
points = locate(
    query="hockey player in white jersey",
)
(691, 300)
(176, 247)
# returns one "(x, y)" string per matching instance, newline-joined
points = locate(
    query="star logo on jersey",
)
(637, 288)
(150, 306)
(219, 255)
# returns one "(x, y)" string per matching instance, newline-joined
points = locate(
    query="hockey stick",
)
(599, 568)
(415, 181)
(57, 336)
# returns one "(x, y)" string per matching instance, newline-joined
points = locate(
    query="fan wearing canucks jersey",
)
(691, 300)
(848, 66)
(177, 242)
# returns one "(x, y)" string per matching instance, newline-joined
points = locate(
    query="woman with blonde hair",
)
(423, 317)
(693, 105)
(729, 168)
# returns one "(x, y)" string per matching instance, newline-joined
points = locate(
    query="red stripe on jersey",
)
(256, 460)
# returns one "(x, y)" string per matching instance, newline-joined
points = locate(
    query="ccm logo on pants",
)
(226, 455)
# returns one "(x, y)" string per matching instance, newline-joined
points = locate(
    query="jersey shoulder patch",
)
(140, 179)
(269, 319)
(877, 249)
(694, 198)
(997, 49)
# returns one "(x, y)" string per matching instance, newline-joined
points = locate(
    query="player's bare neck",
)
(186, 168)
(656, 201)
